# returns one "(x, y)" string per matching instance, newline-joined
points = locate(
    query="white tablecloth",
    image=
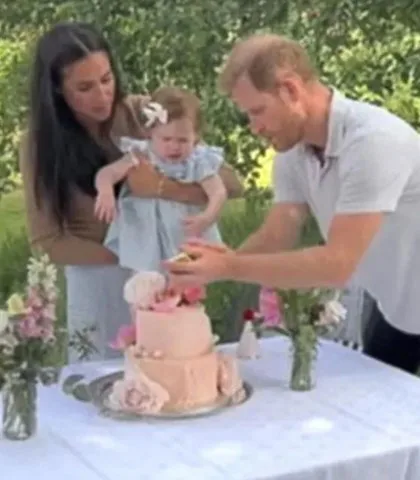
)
(362, 421)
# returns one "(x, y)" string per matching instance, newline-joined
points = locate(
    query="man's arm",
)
(280, 231)
(372, 182)
(330, 265)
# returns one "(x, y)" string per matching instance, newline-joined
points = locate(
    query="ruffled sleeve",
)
(127, 144)
(207, 161)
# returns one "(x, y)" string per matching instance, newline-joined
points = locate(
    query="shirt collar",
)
(336, 125)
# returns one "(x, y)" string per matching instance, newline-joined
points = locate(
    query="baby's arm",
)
(217, 194)
(113, 173)
(106, 178)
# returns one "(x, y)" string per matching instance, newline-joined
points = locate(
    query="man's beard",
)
(288, 137)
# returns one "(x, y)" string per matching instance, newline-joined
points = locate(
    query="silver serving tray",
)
(97, 392)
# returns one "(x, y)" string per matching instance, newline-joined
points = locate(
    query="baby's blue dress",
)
(147, 231)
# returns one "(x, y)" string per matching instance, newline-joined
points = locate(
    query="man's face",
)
(273, 114)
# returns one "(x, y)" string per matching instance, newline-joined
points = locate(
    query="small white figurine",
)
(248, 346)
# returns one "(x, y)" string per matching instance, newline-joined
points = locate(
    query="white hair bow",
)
(154, 111)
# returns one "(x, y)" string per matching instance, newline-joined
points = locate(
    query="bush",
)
(188, 45)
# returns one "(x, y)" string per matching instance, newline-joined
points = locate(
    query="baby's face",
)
(175, 140)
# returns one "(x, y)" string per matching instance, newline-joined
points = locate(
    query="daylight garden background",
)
(369, 49)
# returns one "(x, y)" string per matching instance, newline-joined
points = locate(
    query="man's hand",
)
(210, 262)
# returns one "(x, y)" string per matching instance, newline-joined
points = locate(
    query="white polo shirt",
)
(372, 164)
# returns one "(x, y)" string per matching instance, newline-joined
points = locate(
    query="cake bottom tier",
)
(190, 383)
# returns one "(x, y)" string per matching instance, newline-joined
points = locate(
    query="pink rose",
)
(138, 395)
(126, 336)
(166, 302)
(270, 307)
(194, 295)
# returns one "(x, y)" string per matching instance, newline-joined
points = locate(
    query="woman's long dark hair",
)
(64, 154)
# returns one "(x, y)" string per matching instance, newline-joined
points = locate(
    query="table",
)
(361, 421)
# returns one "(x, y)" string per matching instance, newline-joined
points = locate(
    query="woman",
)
(77, 113)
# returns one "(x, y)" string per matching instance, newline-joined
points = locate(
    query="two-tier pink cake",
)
(170, 359)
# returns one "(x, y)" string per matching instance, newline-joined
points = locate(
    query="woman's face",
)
(88, 87)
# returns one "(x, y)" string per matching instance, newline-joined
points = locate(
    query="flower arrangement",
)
(303, 316)
(28, 337)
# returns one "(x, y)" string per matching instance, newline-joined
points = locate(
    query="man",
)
(355, 166)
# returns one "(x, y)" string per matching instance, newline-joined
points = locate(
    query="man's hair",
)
(259, 57)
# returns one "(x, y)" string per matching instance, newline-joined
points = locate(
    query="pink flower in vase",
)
(126, 336)
(270, 307)
(49, 311)
(34, 299)
(28, 326)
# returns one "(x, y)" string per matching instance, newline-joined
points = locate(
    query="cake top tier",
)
(168, 323)
(184, 332)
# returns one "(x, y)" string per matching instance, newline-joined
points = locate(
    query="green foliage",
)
(13, 61)
(185, 42)
(14, 256)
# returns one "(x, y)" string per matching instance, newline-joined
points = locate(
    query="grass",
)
(12, 215)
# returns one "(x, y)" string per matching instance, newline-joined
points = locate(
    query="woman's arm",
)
(146, 181)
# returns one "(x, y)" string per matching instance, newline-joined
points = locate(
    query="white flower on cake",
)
(138, 395)
(143, 288)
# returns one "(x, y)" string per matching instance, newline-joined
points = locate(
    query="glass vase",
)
(19, 409)
(303, 361)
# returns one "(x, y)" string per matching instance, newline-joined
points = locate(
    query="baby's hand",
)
(105, 205)
(196, 225)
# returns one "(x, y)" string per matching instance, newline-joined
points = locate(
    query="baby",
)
(144, 232)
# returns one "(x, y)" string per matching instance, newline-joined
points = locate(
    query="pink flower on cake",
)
(138, 395)
(229, 380)
(142, 289)
(126, 336)
(166, 301)
(194, 295)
